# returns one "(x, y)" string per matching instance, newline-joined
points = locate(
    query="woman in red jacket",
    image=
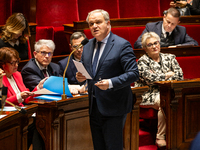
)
(17, 93)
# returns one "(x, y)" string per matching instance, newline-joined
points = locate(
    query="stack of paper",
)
(53, 89)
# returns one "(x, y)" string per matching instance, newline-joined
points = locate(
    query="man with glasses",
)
(41, 66)
(75, 39)
(169, 31)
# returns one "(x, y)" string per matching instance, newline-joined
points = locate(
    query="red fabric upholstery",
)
(29, 50)
(144, 8)
(5, 10)
(85, 6)
(193, 31)
(62, 46)
(56, 13)
(189, 66)
(164, 5)
(148, 113)
(46, 32)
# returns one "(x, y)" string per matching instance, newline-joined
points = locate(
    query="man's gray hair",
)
(103, 12)
(49, 43)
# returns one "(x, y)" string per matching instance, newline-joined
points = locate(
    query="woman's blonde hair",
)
(15, 24)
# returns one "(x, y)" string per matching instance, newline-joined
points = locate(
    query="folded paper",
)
(54, 88)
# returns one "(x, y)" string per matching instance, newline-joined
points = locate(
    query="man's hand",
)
(172, 4)
(181, 4)
(103, 84)
(80, 77)
(40, 85)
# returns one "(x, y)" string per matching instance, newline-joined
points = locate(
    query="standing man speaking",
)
(111, 62)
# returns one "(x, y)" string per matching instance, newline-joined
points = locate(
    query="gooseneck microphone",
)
(3, 101)
(85, 41)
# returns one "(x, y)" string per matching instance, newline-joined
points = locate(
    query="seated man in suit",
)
(41, 66)
(75, 39)
(169, 31)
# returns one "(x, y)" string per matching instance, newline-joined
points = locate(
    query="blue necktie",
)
(94, 65)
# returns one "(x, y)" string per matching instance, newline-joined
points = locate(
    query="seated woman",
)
(17, 92)
(155, 66)
(15, 34)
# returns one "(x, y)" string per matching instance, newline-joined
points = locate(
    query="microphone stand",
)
(22, 110)
(85, 41)
(64, 96)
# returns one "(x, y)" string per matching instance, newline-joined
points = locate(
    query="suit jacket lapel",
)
(88, 57)
(159, 28)
(106, 51)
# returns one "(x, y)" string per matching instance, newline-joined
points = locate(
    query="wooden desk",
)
(128, 22)
(180, 101)
(13, 129)
(64, 124)
(178, 51)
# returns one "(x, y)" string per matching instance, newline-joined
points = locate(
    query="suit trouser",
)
(107, 131)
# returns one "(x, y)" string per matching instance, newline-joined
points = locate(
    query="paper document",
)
(53, 85)
(44, 91)
(81, 69)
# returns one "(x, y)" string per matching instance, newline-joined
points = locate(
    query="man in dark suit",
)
(41, 66)
(111, 62)
(168, 30)
(75, 39)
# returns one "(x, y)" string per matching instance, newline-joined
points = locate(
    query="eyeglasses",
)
(150, 45)
(76, 46)
(13, 63)
(45, 53)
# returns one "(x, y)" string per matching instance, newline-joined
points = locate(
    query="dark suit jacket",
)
(179, 33)
(117, 63)
(195, 8)
(71, 70)
(22, 49)
(32, 75)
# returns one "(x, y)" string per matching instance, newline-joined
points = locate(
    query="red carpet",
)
(147, 135)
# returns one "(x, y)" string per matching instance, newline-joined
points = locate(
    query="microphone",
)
(3, 101)
(85, 41)
(4, 96)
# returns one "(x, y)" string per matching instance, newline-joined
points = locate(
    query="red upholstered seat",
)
(46, 32)
(5, 10)
(193, 31)
(137, 8)
(190, 66)
(148, 113)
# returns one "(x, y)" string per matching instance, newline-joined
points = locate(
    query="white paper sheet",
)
(44, 91)
(81, 69)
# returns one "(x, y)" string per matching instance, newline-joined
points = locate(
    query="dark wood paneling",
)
(180, 101)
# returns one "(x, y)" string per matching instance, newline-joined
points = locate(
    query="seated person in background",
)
(41, 66)
(193, 5)
(169, 31)
(155, 66)
(15, 34)
(75, 39)
(17, 91)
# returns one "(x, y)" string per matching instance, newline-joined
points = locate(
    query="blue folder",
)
(55, 84)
